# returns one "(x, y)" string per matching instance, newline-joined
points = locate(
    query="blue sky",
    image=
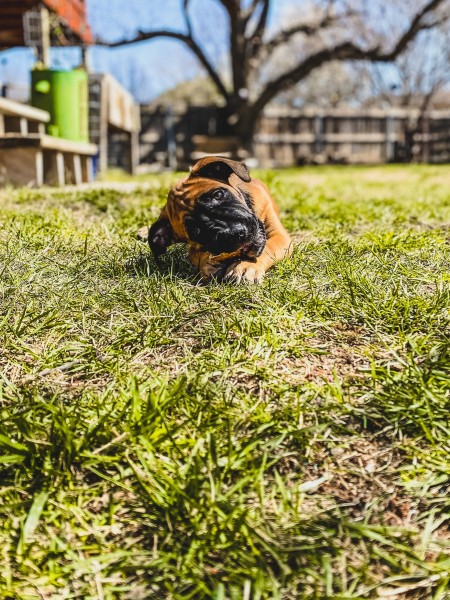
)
(148, 68)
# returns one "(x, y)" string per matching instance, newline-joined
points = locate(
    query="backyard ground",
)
(164, 439)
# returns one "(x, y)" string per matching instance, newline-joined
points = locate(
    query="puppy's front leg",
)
(208, 268)
(278, 246)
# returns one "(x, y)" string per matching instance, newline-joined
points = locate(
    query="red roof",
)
(73, 12)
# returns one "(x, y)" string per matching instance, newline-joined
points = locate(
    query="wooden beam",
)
(39, 168)
(47, 142)
(77, 171)
(23, 126)
(89, 169)
(62, 145)
(134, 151)
(17, 109)
(60, 168)
(44, 46)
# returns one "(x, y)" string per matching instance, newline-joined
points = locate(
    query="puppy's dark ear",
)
(220, 169)
(160, 236)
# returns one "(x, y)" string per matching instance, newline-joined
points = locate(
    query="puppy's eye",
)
(218, 195)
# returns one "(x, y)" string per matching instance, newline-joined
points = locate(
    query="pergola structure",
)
(68, 24)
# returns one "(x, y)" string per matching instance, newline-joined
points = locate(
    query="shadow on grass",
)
(173, 265)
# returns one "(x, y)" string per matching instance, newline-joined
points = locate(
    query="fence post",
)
(171, 142)
(389, 142)
(318, 132)
(426, 138)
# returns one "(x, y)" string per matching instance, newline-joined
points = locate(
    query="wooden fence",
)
(343, 136)
(285, 138)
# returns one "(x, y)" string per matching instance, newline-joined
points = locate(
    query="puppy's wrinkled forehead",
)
(206, 175)
(220, 169)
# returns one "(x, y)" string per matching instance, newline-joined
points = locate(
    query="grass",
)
(164, 439)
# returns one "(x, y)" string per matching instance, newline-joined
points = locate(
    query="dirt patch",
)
(340, 363)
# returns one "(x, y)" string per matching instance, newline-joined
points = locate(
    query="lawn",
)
(164, 439)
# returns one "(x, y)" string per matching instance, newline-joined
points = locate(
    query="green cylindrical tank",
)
(64, 94)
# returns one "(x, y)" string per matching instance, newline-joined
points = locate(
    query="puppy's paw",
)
(245, 272)
(142, 234)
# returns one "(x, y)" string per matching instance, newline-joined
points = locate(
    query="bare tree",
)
(414, 81)
(333, 85)
(418, 75)
(336, 33)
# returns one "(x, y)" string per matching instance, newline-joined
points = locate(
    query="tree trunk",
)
(242, 121)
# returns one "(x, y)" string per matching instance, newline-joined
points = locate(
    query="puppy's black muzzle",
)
(220, 223)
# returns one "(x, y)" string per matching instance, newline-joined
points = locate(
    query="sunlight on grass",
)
(161, 438)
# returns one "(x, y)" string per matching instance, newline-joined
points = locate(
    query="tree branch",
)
(249, 13)
(251, 9)
(256, 38)
(308, 29)
(187, 18)
(189, 41)
(347, 51)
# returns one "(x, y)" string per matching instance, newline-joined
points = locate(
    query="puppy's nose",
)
(238, 233)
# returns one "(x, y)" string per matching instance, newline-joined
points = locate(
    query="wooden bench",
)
(30, 157)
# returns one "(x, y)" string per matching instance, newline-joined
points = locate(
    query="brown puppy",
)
(229, 220)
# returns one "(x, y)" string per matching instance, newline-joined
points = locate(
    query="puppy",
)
(229, 220)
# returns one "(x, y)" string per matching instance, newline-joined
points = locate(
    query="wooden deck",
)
(30, 157)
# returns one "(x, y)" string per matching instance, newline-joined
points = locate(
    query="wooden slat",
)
(11, 24)
(16, 109)
(60, 168)
(123, 111)
(285, 138)
(11, 37)
(14, 8)
(280, 112)
(47, 142)
(77, 172)
(39, 168)
(17, 5)
(13, 140)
